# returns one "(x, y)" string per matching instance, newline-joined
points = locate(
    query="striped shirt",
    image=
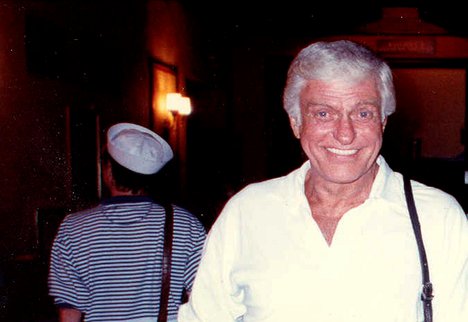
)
(106, 261)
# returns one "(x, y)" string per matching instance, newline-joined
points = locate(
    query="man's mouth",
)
(342, 152)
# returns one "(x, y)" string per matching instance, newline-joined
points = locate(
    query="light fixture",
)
(185, 108)
(177, 103)
(172, 101)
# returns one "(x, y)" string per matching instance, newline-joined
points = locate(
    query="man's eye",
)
(366, 115)
(324, 115)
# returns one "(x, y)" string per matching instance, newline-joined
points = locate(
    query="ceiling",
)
(298, 18)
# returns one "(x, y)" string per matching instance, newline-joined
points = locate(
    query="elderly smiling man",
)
(333, 241)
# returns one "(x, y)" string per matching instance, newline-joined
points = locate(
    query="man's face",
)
(341, 130)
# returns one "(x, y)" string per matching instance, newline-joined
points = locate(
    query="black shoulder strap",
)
(166, 263)
(426, 295)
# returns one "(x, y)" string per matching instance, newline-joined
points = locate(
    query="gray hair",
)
(341, 59)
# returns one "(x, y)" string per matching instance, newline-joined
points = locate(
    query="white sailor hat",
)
(137, 148)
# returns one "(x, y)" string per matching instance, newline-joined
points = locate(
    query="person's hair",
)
(343, 59)
(126, 179)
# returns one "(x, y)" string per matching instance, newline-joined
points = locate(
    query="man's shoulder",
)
(431, 198)
(183, 212)
(74, 223)
(185, 216)
(83, 215)
(274, 187)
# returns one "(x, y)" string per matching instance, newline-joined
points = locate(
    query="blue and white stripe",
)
(106, 261)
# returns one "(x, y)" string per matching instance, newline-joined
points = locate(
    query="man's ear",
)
(384, 123)
(107, 172)
(295, 127)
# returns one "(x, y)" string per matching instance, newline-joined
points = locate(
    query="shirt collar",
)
(126, 199)
(386, 184)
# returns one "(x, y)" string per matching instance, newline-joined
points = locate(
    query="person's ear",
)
(107, 172)
(295, 127)
(384, 123)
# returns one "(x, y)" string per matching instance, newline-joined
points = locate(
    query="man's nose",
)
(345, 131)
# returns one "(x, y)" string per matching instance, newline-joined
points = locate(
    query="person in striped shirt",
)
(105, 262)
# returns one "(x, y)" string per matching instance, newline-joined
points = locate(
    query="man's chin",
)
(349, 176)
(344, 177)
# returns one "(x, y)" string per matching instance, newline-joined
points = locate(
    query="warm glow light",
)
(178, 103)
(172, 102)
(185, 108)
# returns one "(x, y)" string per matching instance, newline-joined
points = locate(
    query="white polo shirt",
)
(266, 259)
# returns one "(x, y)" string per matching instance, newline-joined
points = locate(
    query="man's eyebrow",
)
(311, 103)
(374, 104)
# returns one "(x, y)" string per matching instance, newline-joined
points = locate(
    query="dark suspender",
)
(166, 264)
(426, 295)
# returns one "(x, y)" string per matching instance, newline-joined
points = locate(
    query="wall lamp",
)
(177, 103)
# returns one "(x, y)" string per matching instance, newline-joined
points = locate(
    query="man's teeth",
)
(342, 152)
